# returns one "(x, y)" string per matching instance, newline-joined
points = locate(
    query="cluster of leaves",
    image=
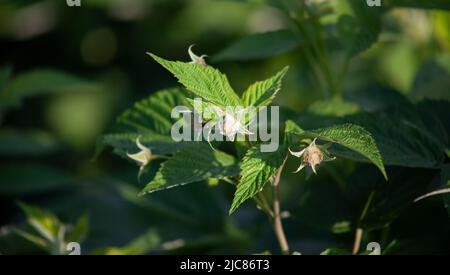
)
(28, 175)
(191, 162)
(52, 236)
(383, 128)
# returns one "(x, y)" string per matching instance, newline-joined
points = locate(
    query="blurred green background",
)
(67, 72)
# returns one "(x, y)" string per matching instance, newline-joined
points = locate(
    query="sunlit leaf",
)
(256, 170)
(350, 136)
(261, 93)
(80, 230)
(151, 120)
(190, 165)
(141, 245)
(204, 81)
(44, 222)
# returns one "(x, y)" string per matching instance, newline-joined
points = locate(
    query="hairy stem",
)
(359, 230)
(357, 241)
(278, 225)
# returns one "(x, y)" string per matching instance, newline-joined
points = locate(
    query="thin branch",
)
(434, 193)
(359, 231)
(357, 241)
(278, 225)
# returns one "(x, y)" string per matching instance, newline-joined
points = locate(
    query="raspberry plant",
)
(393, 131)
(147, 126)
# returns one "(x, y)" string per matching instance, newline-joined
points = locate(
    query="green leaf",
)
(431, 81)
(27, 143)
(292, 132)
(333, 107)
(37, 82)
(408, 136)
(44, 222)
(256, 170)
(153, 114)
(439, 116)
(261, 93)
(208, 112)
(351, 136)
(150, 119)
(5, 74)
(405, 136)
(36, 240)
(336, 251)
(80, 229)
(193, 164)
(250, 47)
(355, 138)
(204, 81)
(124, 142)
(371, 98)
(141, 245)
(32, 178)
(428, 4)
(359, 31)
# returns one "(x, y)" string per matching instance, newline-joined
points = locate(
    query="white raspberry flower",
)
(142, 157)
(230, 123)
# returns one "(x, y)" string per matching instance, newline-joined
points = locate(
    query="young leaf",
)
(256, 170)
(141, 245)
(204, 81)
(249, 47)
(44, 222)
(80, 229)
(193, 164)
(261, 93)
(355, 138)
(351, 136)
